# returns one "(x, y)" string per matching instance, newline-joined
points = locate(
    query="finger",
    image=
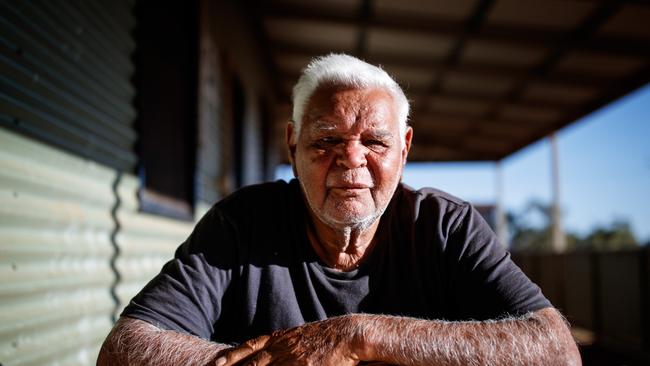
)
(260, 358)
(239, 353)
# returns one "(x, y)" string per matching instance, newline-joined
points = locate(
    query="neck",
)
(342, 248)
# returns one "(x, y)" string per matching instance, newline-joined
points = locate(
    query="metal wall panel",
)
(73, 247)
(65, 74)
(56, 280)
(145, 242)
(55, 275)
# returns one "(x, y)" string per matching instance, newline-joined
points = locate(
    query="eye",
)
(326, 142)
(375, 142)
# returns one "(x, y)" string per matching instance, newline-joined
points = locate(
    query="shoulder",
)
(428, 214)
(260, 209)
(430, 201)
(253, 214)
(259, 205)
(258, 199)
(264, 191)
(432, 194)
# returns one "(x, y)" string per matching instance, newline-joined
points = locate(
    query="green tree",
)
(526, 236)
(616, 236)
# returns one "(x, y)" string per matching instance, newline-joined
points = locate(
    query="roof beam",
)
(362, 38)
(425, 93)
(471, 27)
(517, 125)
(482, 98)
(524, 36)
(426, 64)
(459, 145)
(578, 36)
(582, 32)
(614, 92)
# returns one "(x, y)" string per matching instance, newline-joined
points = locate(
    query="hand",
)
(328, 342)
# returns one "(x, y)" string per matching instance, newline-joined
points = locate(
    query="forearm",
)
(135, 342)
(541, 338)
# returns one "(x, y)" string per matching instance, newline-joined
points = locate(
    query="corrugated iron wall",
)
(65, 72)
(145, 242)
(73, 246)
(55, 227)
(62, 224)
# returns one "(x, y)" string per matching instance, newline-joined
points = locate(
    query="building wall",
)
(243, 58)
(65, 76)
(74, 250)
(74, 243)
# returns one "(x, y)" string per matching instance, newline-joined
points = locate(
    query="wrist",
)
(218, 350)
(361, 342)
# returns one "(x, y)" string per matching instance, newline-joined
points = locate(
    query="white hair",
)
(345, 70)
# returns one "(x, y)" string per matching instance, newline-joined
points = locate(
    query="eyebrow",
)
(380, 134)
(322, 126)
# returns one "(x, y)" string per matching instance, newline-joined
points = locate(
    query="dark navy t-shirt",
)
(249, 269)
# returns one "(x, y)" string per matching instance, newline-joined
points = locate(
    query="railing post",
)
(557, 236)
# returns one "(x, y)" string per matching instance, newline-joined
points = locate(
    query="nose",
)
(352, 155)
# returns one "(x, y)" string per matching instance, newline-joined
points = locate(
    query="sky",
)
(604, 168)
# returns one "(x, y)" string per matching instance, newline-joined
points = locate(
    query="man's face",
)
(349, 154)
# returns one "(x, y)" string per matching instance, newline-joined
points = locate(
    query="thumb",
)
(241, 352)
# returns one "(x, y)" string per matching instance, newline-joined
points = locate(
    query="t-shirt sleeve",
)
(486, 283)
(188, 294)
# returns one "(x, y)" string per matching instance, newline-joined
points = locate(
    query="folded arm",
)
(540, 338)
(135, 342)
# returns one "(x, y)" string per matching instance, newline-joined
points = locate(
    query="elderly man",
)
(344, 265)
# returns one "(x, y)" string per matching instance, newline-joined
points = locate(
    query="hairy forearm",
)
(540, 338)
(135, 342)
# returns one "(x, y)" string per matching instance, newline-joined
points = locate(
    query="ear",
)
(291, 141)
(408, 137)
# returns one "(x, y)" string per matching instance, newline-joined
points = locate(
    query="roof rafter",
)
(516, 35)
(426, 64)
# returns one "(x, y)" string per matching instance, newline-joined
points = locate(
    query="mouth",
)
(350, 186)
(349, 190)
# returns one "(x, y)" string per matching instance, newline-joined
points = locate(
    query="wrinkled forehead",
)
(331, 106)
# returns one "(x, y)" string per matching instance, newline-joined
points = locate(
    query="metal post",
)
(558, 238)
(501, 223)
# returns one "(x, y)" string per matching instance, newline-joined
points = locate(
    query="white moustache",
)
(358, 178)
